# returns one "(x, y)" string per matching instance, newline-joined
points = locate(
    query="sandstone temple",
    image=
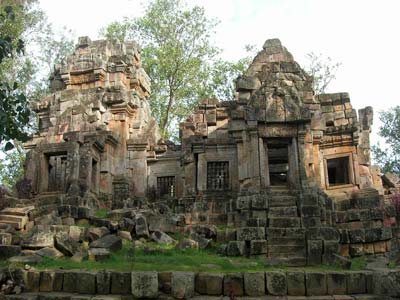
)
(287, 173)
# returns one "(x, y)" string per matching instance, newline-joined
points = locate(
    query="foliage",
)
(14, 112)
(323, 70)
(11, 166)
(101, 213)
(388, 158)
(180, 58)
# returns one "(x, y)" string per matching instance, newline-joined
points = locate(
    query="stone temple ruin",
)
(286, 173)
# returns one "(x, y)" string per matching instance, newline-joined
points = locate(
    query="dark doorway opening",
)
(57, 173)
(338, 171)
(278, 162)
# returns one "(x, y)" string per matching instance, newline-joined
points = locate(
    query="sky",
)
(363, 35)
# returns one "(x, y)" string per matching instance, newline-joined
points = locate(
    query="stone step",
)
(286, 249)
(282, 200)
(282, 211)
(294, 232)
(15, 225)
(291, 261)
(17, 211)
(18, 222)
(287, 241)
(284, 222)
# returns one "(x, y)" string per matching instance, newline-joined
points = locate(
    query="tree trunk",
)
(166, 118)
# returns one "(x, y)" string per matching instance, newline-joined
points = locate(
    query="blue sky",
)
(361, 34)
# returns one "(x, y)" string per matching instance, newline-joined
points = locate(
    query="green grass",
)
(154, 257)
(101, 213)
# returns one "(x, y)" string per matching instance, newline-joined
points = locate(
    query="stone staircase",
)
(285, 235)
(18, 217)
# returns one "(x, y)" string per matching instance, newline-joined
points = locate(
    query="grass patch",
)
(155, 257)
(358, 263)
(101, 213)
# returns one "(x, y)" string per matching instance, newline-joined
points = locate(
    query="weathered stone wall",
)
(186, 285)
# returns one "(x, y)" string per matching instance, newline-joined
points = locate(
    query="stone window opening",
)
(166, 186)
(338, 171)
(218, 176)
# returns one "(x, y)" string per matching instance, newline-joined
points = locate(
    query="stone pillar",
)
(138, 163)
(264, 169)
(293, 161)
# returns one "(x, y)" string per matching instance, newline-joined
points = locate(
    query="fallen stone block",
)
(110, 242)
(98, 254)
(162, 238)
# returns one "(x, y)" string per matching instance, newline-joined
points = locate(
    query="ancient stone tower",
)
(95, 128)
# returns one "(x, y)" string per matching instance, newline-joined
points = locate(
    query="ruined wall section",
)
(99, 118)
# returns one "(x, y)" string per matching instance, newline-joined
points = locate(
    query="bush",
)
(24, 188)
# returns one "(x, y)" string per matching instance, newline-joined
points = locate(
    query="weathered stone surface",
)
(182, 285)
(201, 241)
(31, 280)
(162, 238)
(296, 283)
(103, 282)
(145, 284)
(65, 245)
(336, 283)
(141, 226)
(254, 283)
(39, 239)
(276, 283)
(110, 242)
(386, 282)
(258, 247)
(187, 244)
(250, 233)
(120, 283)
(209, 284)
(233, 285)
(26, 259)
(7, 251)
(125, 235)
(49, 252)
(356, 283)
(98, 254)
(236, 248)
(316, 283)
(86, 282)
(70, 280)
(97, 232)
